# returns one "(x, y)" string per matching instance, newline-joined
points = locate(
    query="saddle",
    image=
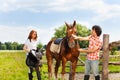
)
(55, 45)
(57, 41)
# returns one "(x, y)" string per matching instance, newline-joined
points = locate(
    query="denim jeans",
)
(92, 65)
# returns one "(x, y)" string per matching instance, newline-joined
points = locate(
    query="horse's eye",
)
(75, 32)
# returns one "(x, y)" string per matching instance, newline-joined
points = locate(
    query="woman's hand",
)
(81, 50)
(26, 49)
(74, 36)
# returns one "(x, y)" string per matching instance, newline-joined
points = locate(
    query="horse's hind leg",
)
(56, 67)
(38, 73)
(50, 67)
(49, 57)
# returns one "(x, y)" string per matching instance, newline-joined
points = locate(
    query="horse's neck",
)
(65, 43)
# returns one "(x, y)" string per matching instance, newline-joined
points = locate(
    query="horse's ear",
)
(67, 24)
(74, 23)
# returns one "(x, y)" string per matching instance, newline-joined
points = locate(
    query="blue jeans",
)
(92, 65)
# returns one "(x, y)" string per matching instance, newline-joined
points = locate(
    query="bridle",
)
(71, 44)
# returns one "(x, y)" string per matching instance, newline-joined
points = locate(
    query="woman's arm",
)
(25, 48)
(80, 38)
(89, 50)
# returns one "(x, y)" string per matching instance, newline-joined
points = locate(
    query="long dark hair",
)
(30, 35)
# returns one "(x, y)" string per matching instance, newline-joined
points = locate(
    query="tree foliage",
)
(113, 50)
(81, 31)
(40, 45)
(11, 46)
(14, 46)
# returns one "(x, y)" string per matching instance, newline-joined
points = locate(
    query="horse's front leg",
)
(63, 67)
(74, 63)
(30, 76)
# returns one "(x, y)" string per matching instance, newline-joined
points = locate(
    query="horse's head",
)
(39, 53)
(71, 29)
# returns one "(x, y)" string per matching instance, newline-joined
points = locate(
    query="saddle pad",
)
(55, 48)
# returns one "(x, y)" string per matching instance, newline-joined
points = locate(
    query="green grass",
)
(13, 67)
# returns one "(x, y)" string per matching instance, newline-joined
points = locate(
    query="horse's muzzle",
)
(71, 44)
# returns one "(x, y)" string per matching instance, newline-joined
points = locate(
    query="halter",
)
(70, 44)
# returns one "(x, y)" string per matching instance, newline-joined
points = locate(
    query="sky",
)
(19, 17)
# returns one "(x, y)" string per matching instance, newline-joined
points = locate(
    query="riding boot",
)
(97, 77)
(30, 76)
(86, 77)
(38, 75)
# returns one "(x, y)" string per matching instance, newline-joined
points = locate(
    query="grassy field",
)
(12, 66)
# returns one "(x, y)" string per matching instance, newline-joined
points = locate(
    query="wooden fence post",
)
(105, 57)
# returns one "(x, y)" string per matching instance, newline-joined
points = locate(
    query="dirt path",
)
(80, 76)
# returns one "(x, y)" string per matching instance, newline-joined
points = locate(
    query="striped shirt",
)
(94, 42)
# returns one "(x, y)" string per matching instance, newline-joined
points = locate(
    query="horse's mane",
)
(65, 43)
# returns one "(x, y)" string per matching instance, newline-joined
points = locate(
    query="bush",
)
(113, 50)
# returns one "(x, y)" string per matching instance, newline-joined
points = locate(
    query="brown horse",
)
(68, 52)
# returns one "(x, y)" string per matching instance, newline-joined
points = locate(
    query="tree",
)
(113, 50)
(20, 47)
(81, 31)
(14, 45)
(40, 45)
(60, 32)
(3, 47)
(8, 45)
(0, 45)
